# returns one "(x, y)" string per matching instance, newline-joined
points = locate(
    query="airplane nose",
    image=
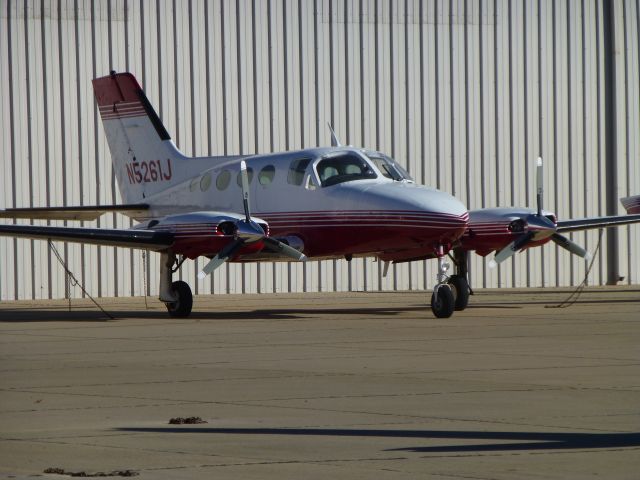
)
(409, 196)
(430, 209)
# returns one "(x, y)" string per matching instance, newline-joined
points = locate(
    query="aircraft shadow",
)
(94, 315)
(547, 303)
(520, 440)
(38, 315)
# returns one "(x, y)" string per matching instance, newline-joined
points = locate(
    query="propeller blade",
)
(245, 190)
(279, 247)
(385, 270)
(214, 263)
(539, 186)
(573, 247)
(502, 255)
(511, 249)
(222, 256)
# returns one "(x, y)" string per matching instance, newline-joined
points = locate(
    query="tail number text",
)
(149, 171)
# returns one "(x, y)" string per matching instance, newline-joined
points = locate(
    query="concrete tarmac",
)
(318, 386)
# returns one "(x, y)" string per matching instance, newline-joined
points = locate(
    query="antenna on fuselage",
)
(334, 138)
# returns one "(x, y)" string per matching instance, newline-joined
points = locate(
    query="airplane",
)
(321, 203)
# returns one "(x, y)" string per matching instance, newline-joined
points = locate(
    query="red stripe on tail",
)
(115, 88)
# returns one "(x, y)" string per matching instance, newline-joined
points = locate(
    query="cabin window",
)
(205, 182)
(297, 170)
(265, 177)
(249, 176)
(343, 168)
(223, 180)
(388, 166)
(194, 184)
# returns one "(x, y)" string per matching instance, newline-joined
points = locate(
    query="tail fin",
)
(143, 154)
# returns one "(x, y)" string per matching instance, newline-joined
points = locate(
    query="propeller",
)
(538, 228)
(248, 232)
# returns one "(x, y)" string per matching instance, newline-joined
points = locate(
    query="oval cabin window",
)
(205, 182)
(223, 180)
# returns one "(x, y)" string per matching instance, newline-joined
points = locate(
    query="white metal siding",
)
(466, 94)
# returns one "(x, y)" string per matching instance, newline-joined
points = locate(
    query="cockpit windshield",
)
(389, 167)
(345, 167)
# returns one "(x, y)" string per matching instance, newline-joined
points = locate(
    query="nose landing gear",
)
(442, 300)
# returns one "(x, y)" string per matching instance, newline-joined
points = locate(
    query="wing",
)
(86, 213)
(144, 239)
(596, 222)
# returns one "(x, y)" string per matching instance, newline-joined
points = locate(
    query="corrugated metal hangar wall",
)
(466, 94)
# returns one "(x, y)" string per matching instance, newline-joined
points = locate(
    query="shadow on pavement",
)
(8, 315)
(519, 440)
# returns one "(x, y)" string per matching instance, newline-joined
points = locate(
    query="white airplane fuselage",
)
(355, 217)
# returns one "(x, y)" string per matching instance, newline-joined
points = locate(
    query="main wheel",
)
(460, 288)
(442, 304)
(182, 306)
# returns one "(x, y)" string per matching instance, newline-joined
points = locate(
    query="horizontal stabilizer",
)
(84, 213)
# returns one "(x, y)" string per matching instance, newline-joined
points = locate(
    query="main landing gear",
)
(458, 281)
(460, 288)
(175, 295)
(451, 292)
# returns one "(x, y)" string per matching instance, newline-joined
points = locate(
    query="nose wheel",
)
(443, 302)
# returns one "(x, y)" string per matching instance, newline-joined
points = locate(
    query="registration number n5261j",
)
(146, 171)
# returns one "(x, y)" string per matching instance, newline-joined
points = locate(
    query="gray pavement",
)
(317, 386)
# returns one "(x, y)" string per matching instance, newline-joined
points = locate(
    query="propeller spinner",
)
(538, 227)
(248, 232)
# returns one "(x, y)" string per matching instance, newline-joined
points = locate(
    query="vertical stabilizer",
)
(145, 159)
(631, 204)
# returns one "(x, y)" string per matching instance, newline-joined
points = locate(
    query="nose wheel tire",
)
(182, 307)
(460, 287)
(442, 302)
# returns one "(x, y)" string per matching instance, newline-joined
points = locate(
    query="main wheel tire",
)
(442, 302)
(182, 307)
(460, 287)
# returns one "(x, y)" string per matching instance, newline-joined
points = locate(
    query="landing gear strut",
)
(442, 300)
(175, 295)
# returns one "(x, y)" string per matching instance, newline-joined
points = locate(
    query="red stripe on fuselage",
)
(366, 232)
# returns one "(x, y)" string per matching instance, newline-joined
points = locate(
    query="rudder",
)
(144, 156)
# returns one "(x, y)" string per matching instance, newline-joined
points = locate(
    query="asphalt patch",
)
(115, 473)
(186, 421)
